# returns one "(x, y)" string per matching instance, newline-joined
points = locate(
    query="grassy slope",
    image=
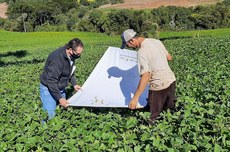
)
(12, 41)
(196, 33)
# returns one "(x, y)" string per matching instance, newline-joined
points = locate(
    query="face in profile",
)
(133, 43)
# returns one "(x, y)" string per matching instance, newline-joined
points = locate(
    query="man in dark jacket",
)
(57, 74)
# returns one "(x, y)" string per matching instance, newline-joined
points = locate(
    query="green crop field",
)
(201, 123)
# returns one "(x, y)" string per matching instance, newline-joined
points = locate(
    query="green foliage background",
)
(72, 15)
(201, 122)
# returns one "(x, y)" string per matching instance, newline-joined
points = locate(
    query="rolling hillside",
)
(148, 4)
(144, 4)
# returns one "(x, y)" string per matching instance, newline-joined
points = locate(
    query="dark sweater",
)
(57, 72)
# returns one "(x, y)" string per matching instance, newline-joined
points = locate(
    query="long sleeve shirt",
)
(57, 72)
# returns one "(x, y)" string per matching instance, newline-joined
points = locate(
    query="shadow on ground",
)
(18, 54)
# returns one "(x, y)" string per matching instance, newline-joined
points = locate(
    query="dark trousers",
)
(161, 100)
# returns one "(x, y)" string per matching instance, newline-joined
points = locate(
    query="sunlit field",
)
(200, 123)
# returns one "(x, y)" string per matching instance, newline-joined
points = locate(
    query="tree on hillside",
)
(72, 15)
(206, 17)
(226, 2)
(162, 17)
(96, 19)
(139, 17)
(142, 22)
(182, 18)
(39, 11)
(173, 18)
(116, 1)
(119, 20)
(224, 10)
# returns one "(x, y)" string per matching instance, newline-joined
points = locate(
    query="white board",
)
(112, 83)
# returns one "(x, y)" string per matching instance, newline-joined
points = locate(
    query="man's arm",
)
(141, 87)
(169, 57)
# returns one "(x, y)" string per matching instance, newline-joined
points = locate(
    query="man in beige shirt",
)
(154, 69)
